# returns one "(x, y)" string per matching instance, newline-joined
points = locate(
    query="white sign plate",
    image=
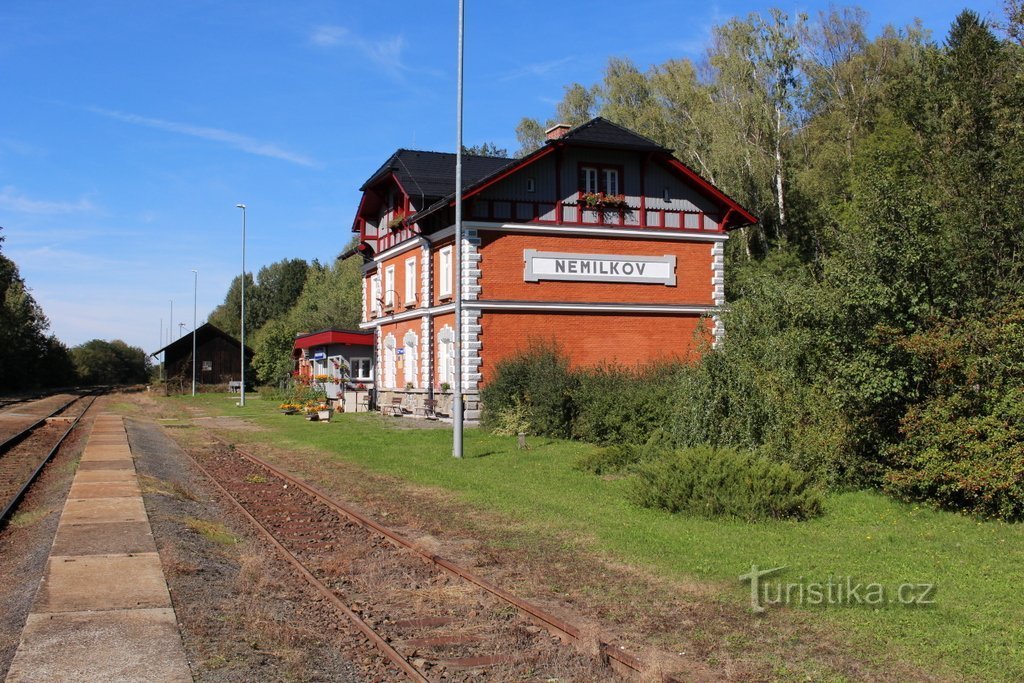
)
(549, 265)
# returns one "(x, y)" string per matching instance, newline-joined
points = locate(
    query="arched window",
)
(389, 362)
(446, 356)
(411, 358)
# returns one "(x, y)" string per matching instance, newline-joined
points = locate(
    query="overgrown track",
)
(433, 619)
(24, 453)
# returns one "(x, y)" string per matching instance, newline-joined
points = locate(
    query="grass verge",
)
(971, 629)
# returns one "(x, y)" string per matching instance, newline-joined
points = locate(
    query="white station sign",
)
(548, 265)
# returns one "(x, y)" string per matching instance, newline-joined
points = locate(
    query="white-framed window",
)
(412, 345)
(611, 180)
(445, 285)
(337, 367)
(590, 179)
(361, 369)
(390, 369)
(446, 356)
(410, 281)
(389, 287)
(375, 294)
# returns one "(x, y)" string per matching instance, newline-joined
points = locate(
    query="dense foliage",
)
(872, 304)
(29, 357)
(110, 363)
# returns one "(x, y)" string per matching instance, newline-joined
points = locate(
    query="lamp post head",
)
(240, 206)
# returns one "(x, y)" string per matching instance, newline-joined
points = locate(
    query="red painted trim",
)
(643, 191)
(711, 190)
(333, 337)
(558, 187)
(359, 224)
(540, 154)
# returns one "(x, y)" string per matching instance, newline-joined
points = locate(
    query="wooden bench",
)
(396, 409)
(430, 409)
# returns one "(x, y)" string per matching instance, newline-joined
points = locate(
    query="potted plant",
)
(445, 388)
(601, 200)
(397, 221)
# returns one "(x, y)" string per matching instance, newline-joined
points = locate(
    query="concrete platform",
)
(110, 538)
(103, 611)
(102, 582)
(104, 489)
(119, 646)
(83, 510)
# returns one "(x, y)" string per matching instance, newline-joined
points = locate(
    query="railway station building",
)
(339, 360)
(601, 241)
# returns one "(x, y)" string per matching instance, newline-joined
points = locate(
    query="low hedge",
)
(724, 482)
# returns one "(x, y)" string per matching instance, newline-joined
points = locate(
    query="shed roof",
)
(204, 333)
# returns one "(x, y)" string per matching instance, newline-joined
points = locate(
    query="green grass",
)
(974, 629)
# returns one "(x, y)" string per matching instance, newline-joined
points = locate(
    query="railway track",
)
(433, 619)
(24, 453)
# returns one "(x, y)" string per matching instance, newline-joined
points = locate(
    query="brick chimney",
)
(557, 131)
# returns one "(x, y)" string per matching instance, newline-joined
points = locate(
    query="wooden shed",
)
(218, 358)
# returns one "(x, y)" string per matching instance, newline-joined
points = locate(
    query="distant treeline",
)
(31, 358)
(875, 332)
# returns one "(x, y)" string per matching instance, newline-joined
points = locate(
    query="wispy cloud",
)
(13, 200)
(537, 69)
(386, 54)
(229, 138)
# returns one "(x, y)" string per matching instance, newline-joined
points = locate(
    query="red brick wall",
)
(502, 270)
(593, 338)
(399, 330)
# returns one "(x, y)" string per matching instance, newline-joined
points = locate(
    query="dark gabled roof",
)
(204, 333)
(431, 175)
(598, 132)
(601, 132)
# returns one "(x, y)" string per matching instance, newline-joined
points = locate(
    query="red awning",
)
(333, 337)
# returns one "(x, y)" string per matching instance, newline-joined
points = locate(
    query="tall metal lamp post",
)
(242, 388)
(457, 416)
(195, 300)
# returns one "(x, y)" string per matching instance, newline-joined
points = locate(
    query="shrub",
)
(972, 463)
(539, 379)
(724, 482)
(610, 460)
(622, 457)
(963, 446)
(512, 420)
(613, 404)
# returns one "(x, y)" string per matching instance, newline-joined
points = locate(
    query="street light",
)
(195, 300)
(242, 389)
(457, 408)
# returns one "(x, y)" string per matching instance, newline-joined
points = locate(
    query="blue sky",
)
(130, 130)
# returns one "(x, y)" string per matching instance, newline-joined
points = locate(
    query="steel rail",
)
(13, 441)
(385, 648)
(617, 658)
(13, 502)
